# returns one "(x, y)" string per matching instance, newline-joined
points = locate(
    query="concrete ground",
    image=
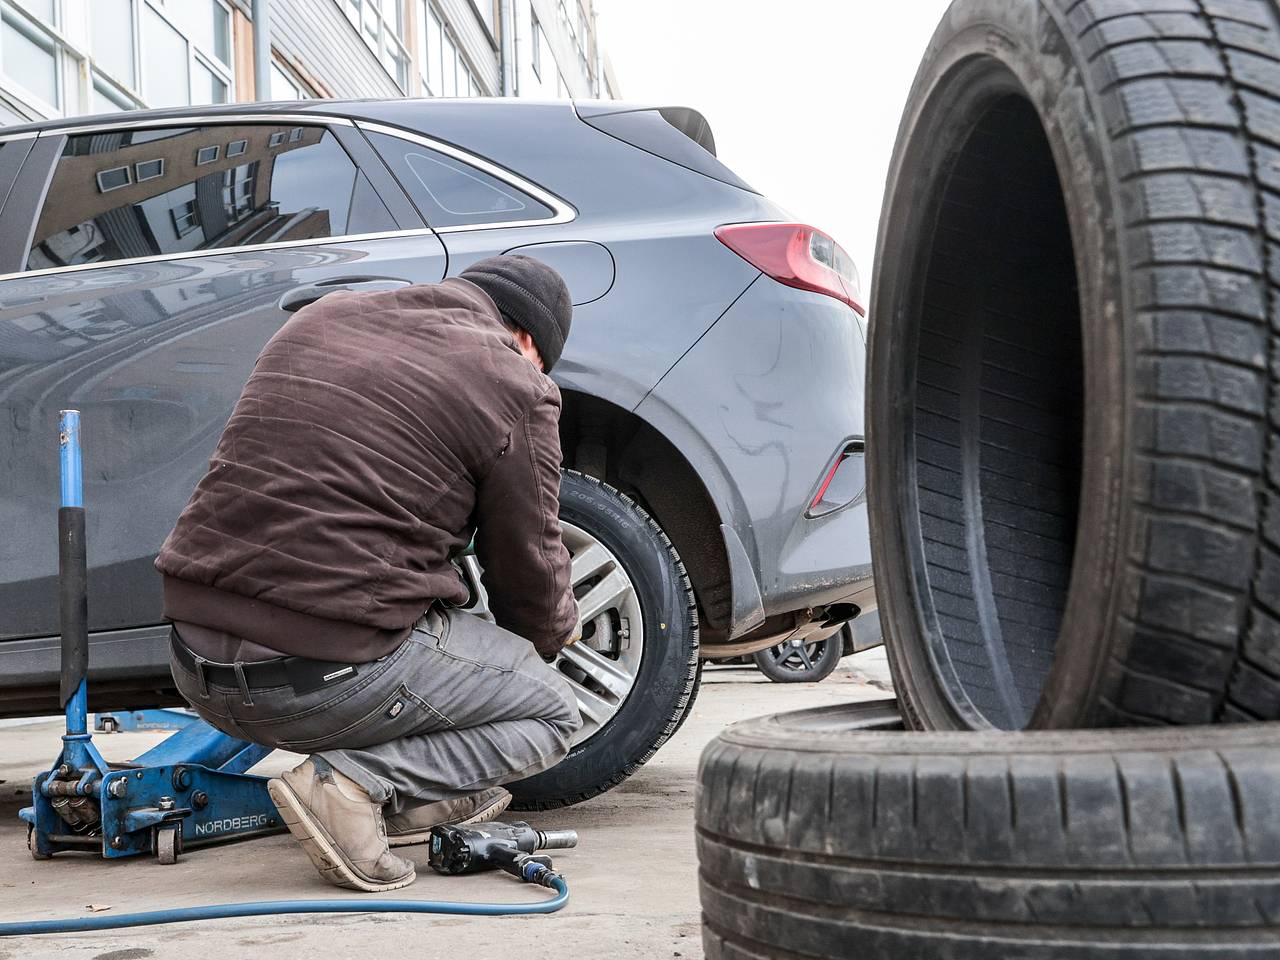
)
(633, 878)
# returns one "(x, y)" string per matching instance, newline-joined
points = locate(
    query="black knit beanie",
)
(531, 296)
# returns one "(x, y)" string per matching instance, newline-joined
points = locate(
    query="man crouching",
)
(309, 578)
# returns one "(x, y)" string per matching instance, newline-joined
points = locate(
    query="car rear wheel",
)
(1072, 387)
(800, 662)
(635, 670)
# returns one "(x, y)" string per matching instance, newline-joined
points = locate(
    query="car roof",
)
(354, 109)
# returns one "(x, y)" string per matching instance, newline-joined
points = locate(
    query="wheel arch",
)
(613, 444)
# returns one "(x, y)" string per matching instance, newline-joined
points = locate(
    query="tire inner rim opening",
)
(997, 418)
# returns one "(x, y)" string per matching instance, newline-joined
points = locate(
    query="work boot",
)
(340, 827)
(413, 824)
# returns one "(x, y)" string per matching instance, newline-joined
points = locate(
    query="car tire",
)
(1074, 473)
(826, 834)
(666, 679)
(778, 663)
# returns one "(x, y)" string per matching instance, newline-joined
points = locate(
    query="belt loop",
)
(238, 667)
(204, 683)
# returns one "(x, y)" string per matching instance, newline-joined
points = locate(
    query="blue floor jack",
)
(119, 721)
(193, 789)
(189, 790)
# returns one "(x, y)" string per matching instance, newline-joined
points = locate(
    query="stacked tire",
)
(1074, 480)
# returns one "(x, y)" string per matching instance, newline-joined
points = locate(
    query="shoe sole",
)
(491, 812)
(320, 848)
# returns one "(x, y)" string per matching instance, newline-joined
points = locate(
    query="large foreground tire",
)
(1073, 469)
(817, 839)
(657, 654)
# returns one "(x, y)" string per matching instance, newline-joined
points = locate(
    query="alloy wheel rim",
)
(798, 659)
(601, 667)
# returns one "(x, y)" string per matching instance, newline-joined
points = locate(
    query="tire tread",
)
(1188, 90)
(833, 842)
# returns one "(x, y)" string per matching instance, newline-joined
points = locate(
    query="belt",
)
(301, 673)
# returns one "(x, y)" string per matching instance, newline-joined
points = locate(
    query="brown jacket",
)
(377, 432)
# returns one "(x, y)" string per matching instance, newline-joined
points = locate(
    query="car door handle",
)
(299, 297)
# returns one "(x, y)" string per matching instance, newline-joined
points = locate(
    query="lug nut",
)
(199, 800)
(166, 803)
(118, 788)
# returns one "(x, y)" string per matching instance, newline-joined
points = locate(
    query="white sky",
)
(803, 96)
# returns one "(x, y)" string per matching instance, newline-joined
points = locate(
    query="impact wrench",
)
(454, 850)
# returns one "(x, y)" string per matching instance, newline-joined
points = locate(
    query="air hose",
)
(265, 908)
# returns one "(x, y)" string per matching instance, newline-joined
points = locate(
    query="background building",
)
(71, 57)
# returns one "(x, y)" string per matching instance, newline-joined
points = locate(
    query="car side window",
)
(449, 192)
(121, 194)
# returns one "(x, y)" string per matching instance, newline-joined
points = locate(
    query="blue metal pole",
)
(73, 577)
(72, 471)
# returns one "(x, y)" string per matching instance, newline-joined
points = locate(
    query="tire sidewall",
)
(984, 49)
(668, 661)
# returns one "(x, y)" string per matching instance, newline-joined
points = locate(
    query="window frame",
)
(535, 59)
(128, 178)
(562, 210)
(137, 171)
(81, 80)
(388, 41)
(19, 216)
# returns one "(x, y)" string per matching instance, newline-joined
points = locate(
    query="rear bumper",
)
(760, 406)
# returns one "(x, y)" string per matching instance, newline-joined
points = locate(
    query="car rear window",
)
(452, 193)
(678, 134)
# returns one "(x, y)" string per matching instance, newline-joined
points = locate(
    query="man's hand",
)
(577, 632)
(574, 637)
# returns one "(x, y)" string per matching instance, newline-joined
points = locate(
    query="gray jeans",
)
(461, 705)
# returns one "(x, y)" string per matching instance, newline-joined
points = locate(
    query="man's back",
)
(351, 466)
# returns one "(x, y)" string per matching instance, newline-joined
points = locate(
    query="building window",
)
(277, 139)
(285, 86)
(486, 10)
(184, 52)
(443, 68)
(111, 38)
(432, 41)
(236, 148)
(237, 190)
(148, 169)
(380, 24)
(135, 53)
(28, 57)
(538, 41)
(207, 155)
(113, 179)
(166, 67)
(186, 217)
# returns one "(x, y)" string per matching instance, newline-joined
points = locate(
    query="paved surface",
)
(633, 878)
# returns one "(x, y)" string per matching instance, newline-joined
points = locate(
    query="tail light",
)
(797, 255)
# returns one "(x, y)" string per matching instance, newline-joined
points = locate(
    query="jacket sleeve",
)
(526, 566)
